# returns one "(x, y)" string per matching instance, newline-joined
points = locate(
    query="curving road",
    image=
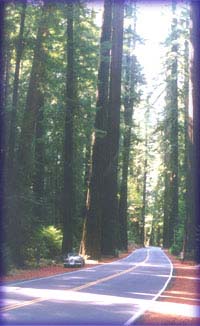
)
(112, 294)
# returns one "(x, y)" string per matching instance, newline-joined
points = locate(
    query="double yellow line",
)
(78, 288)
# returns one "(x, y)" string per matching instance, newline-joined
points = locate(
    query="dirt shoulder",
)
(181, 294)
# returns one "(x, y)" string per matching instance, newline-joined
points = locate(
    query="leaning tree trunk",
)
(110, 221)
(68, 190)
(39, 171)
(91, 238)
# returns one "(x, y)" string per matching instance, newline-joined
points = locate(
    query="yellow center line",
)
(78, 288)
(19, 305)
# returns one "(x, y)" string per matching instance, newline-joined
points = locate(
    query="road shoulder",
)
(181, 299)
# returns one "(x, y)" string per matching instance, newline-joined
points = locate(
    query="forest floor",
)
(184, 288)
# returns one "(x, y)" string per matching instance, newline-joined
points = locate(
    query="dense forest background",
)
(86, 166)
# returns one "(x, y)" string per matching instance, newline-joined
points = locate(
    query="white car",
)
(74, 260)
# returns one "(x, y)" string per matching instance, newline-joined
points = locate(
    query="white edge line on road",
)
(66, 273)
(144, 309)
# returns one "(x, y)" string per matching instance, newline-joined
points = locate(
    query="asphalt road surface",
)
(112, 294)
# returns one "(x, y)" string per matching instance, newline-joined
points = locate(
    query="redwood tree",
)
(110, 226)
(171, 135)
(91, 239)
(68, 190)
(129, 101)
(189, 225)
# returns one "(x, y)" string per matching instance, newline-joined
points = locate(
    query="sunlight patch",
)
(178, 309)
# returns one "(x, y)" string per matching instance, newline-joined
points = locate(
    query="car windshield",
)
(73, 254)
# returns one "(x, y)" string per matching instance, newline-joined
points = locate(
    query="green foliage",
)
(45, 244)
(51, 240)
(175, 249)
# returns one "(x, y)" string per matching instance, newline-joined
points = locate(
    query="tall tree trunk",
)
(123, 239)
(172, 119)
(11, 117)
(87, 176)
(12, 127)
(20, 219)
(5, 79)
(189, 225)
(195, 83)
(88, 160)
(129, 89)
(38, 178)
(110, 221)
(143, 214)
(68, 190)
(144, 192)
(173, 219)
(166, 207)
(91, 238)
(128, 113)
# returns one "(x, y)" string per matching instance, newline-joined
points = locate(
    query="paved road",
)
(111, 294)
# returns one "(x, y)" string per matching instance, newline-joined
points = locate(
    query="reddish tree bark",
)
(91, 239)
(110, 221)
